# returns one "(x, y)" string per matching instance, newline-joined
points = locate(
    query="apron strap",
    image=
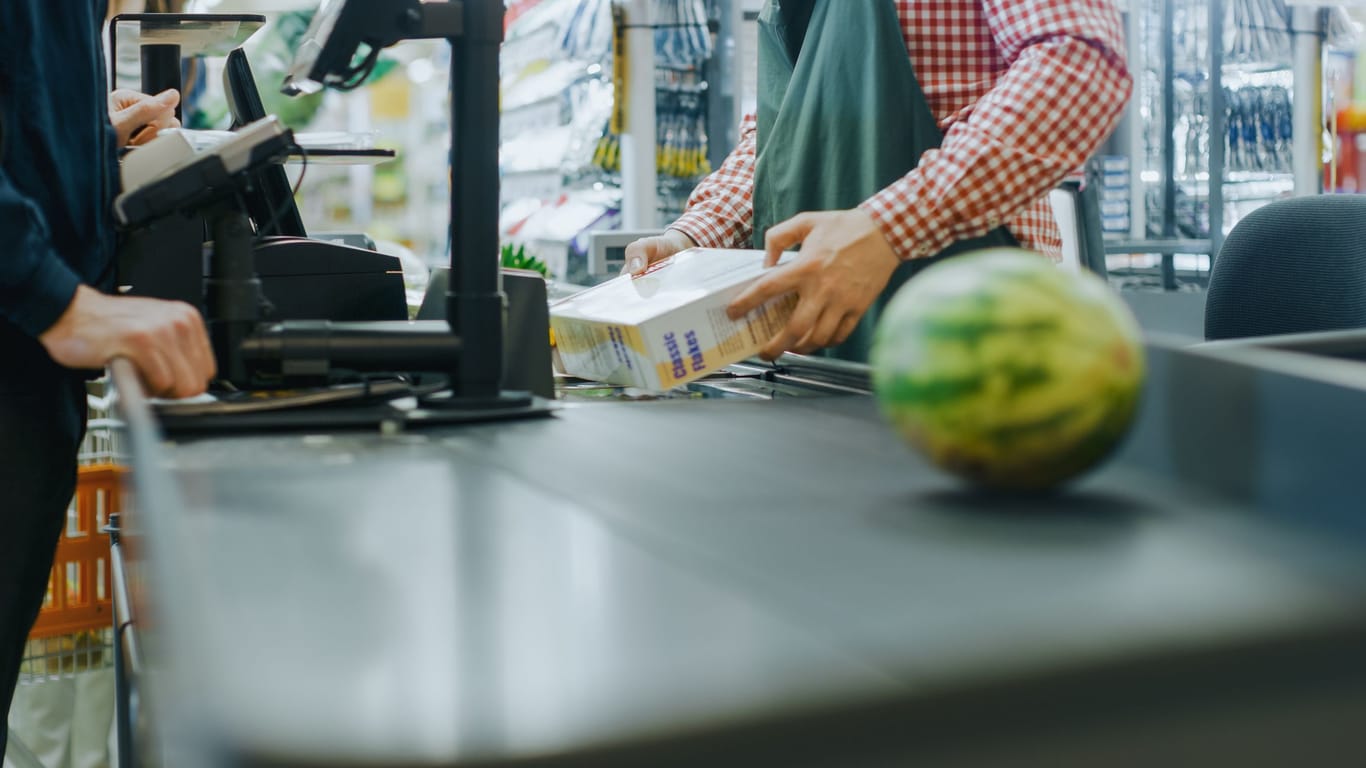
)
(841, 117)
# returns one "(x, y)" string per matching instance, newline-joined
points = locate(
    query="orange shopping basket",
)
(80, 591)
(74, 631)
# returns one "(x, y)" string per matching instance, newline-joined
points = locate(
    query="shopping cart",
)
(74, 634)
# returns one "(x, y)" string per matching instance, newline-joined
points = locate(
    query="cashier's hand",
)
(165, 340)
(138, 117)
(844, 264)
(648, 250)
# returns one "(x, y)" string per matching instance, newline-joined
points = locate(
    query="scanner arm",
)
(169, 182)
(249, 351)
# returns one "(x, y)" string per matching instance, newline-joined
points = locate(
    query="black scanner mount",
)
(468, 347)
(251, 350)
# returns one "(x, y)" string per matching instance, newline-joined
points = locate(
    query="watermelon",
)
(1008, 371)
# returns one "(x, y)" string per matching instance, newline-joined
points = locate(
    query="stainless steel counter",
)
(762, 582)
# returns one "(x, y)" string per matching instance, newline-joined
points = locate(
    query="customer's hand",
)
(165, 340)
(648, 250)
(138, 117)
(844, 264)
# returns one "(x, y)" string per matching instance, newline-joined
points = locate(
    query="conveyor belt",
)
(745, 577)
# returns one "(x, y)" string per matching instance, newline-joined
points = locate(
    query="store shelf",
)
(561, 149)
(1256, 67)
(1214, 109)
(1157, 246)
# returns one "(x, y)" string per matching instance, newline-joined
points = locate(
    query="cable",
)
(278, 211)
(355, 77)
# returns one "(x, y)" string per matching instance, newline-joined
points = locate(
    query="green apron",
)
(841, 117)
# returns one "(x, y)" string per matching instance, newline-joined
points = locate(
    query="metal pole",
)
(161, 72)
(1168, 35)
(232, 292)
(125, 652)
(474, 301)
(18, 754)
(639, 173)
(724, 81)
(1307, 120)
(1138, 200)
(1218, 130)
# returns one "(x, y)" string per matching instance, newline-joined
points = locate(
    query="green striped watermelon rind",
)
(1008, 371)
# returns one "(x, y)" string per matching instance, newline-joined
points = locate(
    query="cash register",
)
(258, 350)
(337, 277)
(333, 277)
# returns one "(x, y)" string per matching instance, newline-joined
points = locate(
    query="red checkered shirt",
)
(1024, 92)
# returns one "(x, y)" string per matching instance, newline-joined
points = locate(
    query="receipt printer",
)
(168, 186)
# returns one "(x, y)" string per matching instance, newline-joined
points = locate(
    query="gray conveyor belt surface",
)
(631, 573)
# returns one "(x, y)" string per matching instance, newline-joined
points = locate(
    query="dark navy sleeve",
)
(36, 285)
(51, 91)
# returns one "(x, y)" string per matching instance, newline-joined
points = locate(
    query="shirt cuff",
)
(702, 232)
(907, 219)
(40, 300)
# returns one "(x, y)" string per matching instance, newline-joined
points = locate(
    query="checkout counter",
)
(760, 574)
(757, 574)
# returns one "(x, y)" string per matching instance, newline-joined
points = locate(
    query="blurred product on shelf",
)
(559, 151)
(1259, 128)
(1218, 114)
(1256, 91)
(1349, 172)
(516, 257)
(557, 95)
(589, 30)
(1257, 33)
(557, 232)
(1339, 30)
(682, 39)
(1115, 182)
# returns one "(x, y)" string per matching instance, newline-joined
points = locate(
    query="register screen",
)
(300, 74)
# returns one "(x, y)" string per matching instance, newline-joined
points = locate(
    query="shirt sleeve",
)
(1063, 91)
(36, 286)
(721, 209)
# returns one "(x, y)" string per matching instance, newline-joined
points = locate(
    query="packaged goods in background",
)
(666, 326)
(1114, 193)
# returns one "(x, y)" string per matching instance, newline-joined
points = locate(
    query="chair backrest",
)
(1292, 266)
(1077, 210)
(1064, 204)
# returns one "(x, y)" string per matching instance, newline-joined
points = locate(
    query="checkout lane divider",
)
(155, 515)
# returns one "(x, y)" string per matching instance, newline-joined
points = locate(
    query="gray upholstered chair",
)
(1292, 266)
